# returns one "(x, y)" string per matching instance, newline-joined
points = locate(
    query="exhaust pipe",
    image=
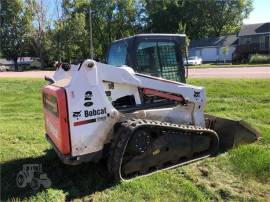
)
(231, 133)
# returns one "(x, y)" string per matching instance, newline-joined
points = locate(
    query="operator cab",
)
(157, 55)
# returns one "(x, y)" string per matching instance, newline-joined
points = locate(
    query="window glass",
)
(147, 57)
(117, 54)
(169, 62)
(167, 52)
(158, 59)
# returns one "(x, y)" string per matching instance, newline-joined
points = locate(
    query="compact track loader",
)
(141, 123)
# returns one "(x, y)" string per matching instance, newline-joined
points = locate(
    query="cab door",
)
(161, 59)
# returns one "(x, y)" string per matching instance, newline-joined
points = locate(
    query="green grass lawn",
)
(242, 174)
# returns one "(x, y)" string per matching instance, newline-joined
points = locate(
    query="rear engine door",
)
(56, 117)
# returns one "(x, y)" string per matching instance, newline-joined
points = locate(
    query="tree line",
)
(28, 30)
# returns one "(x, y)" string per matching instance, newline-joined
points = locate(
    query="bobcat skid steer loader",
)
(140, 123)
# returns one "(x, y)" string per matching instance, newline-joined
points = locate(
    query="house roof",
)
(5, 62)
(254, 29)
(228, 40)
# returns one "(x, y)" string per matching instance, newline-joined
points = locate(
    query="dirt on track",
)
(242, 72)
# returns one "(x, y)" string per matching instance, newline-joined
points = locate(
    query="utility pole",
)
(59, 21)
(90, 31)
(41, 33)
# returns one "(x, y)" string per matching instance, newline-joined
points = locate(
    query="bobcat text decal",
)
(100, 113)
(94, 112)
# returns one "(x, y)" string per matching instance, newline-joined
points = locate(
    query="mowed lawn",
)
(242, 174)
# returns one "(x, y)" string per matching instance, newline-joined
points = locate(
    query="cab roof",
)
(151, 35)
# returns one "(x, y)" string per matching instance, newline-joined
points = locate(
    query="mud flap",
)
(231, 133)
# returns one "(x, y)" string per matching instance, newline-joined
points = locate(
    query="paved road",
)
(28, 74)
(243, 72)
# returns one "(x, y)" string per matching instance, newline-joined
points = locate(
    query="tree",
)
(171, 16)
(75, 37)
(15, 25)
(111, 20)
(201, 18)
(25, 27)
(38, 11)
(163, 16)
(226, 16)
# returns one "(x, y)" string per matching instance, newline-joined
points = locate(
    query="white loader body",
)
(91, 119)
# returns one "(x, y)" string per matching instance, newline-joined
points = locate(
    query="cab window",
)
(167, 51)
(117, 54)
(147, 57)
(157, 57)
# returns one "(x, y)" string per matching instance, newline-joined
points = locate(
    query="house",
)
(20, 61)
(23, 62)
(6, 62)
(214, 49)
(253, 38)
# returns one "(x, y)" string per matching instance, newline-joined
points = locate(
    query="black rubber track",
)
(125, 132)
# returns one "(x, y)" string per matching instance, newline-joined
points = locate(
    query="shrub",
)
(259, 59)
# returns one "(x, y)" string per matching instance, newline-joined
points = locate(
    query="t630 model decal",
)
(78, 123)
(87, 97)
